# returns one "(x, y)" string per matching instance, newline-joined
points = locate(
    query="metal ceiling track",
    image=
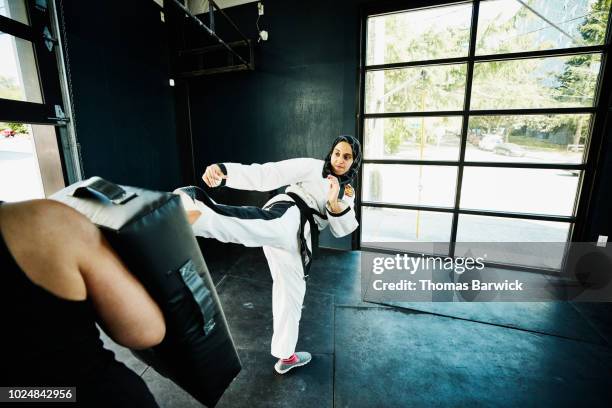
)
(235, 61)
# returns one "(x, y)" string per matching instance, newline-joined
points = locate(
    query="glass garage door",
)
(477, 121)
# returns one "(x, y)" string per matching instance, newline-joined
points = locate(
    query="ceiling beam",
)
(201, 6)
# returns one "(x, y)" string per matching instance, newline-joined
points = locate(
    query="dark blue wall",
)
(599, 219)
(302, 94)
(124, 107)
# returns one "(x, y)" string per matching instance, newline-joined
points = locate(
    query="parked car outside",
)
(509, 149)
(7, 133)
(575, 148)
(474, 138)
(489, 142)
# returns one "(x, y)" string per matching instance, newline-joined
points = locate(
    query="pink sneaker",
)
(302, 358)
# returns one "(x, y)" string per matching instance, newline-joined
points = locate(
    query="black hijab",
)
(351, 174)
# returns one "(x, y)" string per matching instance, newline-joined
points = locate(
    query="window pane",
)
(14, 9)
(521, 236)
(410, 184)
(382, 227)
(416, 89)
(20, 177)
(509, 26)
(434, 33)
(537, 191)
(528, 138)
(555, 82)
(476, 228)
(421, 138)
(18, 74)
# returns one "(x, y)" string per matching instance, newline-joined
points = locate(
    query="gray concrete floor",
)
(407, 355)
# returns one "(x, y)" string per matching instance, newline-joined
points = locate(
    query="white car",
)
(488, 142)
(509, 149)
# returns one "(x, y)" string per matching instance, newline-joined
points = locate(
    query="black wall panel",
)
(119, 68)
(599, 219)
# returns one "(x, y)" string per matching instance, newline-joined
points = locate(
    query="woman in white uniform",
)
(319, 194)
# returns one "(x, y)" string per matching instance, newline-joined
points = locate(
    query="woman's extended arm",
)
(267, 176)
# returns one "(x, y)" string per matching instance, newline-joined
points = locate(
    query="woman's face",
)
(341, 158)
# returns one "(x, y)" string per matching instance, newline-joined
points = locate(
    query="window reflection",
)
(554, 82)
(437, 32)
(15, 10)
(20, 177)
(528, 138)
(418, 138)
(418, 89)
(18, 73)
(506, 26)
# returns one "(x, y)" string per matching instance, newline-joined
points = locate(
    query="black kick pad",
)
(150, 232)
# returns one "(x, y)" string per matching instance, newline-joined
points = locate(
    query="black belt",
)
(306, 215)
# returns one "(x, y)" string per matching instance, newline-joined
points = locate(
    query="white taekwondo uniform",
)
(276, 228)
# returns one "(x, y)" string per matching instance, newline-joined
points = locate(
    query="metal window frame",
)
(59, 162)
(16, 28)
(512, 56)
(593, 151)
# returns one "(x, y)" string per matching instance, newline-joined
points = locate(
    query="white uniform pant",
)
(278, 236)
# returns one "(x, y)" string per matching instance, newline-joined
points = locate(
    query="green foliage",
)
(393, 137)
(593, 30)
(577, 80)
(19, 128)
